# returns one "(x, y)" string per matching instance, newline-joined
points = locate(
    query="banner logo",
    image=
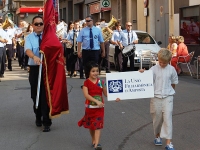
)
(115, 86)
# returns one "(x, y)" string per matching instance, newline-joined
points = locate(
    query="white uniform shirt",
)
(132, 37)
(162, 79)
(11, 35)
(3, 35)
(116, 36)
(18, 31)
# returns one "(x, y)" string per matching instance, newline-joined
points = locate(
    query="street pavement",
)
(128, 125)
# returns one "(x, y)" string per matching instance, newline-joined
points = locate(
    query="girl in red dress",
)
(94, 105)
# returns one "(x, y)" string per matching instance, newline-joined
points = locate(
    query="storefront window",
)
(189, 25)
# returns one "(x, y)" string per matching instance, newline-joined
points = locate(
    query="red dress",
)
(94, 117)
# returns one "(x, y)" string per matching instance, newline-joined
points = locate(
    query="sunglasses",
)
(40, 23)
(88, 20)
(129, 25)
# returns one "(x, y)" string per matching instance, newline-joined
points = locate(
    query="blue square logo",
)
(115, 86)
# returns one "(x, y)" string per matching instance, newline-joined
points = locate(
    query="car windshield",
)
(144, 38)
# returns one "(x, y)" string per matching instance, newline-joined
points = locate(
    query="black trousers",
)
(72, 60)
(68, 53)
(2, 59)
(118, 58)
(125, 60)
(20, 55)
(42, 113)
(105, 61)
(90, 55)
(9, 52)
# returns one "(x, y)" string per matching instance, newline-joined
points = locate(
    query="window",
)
(144, 38)
(189, 24)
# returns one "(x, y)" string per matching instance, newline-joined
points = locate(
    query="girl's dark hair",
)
(71, 22)
(88, 68)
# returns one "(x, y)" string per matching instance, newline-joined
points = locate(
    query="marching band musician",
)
(106, 44)
(89, 39)
(128, 37)
(28, 31)
(3, 41)
(115, 40)
(9, 46)
(32, 48)
(72, 35)
(68, 47)
(18, 36)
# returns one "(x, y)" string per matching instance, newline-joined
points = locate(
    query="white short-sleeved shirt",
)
(3, 35)
(84, 38)
(11, 35)
(116, 36)
(31, 43)
(162, 79)
(132, 36)
(18, 31)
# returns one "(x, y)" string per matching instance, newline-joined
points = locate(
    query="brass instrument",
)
(60, 29)
(21, 42)
(106, 34)
(7, 23)
(22, 38)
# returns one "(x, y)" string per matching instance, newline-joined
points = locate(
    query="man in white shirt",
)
(3, 41)
(18, 36)
(9, 46)
(129, 37)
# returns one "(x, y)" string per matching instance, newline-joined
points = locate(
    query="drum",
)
(128, 50)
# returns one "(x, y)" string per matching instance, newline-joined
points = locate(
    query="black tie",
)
(129, 39)
(91, 39)
(39, 40)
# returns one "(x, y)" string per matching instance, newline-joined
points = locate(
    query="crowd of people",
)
(12, 45)
(86, 51)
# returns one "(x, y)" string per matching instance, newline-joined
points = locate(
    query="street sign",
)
(105, 5)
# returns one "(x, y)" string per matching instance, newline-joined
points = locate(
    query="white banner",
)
(129, 85)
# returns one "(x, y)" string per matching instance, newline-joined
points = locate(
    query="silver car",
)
(145, 50)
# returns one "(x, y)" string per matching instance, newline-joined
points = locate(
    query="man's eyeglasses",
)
(88, 20)
(129, 25)
(40, 23)
(97, 24)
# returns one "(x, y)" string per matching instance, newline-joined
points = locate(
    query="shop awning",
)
(23, 10)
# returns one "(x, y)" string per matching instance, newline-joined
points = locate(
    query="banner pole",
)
(39, 81)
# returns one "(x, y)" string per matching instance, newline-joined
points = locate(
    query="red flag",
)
(53, 65)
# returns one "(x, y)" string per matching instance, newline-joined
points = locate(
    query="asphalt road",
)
(128, 125)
